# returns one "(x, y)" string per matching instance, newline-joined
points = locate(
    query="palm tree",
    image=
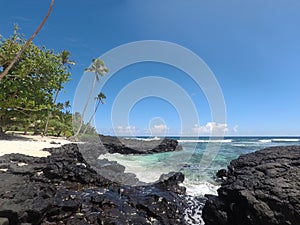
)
(65, 60)
(99, 69)
(100, 99)
(67, 105)
(18, 55)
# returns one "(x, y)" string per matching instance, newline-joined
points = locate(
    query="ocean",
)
(199, 159)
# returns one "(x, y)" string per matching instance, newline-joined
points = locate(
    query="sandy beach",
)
(31, 145)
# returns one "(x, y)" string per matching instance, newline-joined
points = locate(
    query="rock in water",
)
(221, 173)
(262, 188)
(131, 146)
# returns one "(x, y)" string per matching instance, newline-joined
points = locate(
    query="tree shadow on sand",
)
(13, 137)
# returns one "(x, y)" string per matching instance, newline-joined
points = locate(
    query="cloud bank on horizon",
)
(162, 130)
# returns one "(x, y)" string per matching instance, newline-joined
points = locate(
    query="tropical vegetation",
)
(29, 91)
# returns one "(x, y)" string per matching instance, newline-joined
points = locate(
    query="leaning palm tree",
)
(100, 99)
(98, 68)
(18, 55)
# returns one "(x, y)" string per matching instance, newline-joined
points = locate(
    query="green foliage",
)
(85, 128)
(28, 93)
(60, 124)
(98, 68)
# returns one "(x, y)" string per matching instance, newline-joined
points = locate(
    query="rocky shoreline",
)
(71, 186)
(64, 189)
(260, 188)
(98, 145)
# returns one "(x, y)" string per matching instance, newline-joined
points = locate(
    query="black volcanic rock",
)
(131, 146)
(170, 181)
(221, 173)
(109, 169)
(261, 188)
(64, 189)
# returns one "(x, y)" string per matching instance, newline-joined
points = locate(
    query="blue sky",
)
(252, 47)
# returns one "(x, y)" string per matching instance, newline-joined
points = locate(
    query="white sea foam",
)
(205, 141)
(240, 145)
(285, 140)
(280, 140)
(147, 169)
(193, 212)
(200, 188)
(265, 140)
(145, 139)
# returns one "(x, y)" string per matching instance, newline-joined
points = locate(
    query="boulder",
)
(261, 188)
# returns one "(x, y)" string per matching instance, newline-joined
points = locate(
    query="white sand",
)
(32, 146)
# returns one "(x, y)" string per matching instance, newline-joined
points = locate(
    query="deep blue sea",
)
(199, 160)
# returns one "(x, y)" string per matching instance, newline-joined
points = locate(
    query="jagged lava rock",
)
(131, 146)
(64, 189)
(262, 188)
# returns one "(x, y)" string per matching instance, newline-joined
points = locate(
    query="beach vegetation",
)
(29, 91)
(17, 55)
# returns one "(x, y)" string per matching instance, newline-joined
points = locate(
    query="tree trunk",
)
(5, 72)
(50, 114)
(35, 132)
(1, 125)
(90, 120)
(85, 107)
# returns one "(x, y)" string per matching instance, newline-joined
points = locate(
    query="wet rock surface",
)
(193, 213)
(261, 188)
(65, 189)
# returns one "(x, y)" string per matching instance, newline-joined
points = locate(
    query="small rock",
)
(221, 173)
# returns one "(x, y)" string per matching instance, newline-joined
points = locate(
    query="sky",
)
(251, 48)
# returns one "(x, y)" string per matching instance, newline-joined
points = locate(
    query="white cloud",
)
(154, 130)
(159, 129)
(210, 128)
(125, 131)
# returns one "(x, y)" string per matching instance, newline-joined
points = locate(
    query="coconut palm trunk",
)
(85, 106)
(100, 99)
(17, 57)
(97, 68)
(50, 114)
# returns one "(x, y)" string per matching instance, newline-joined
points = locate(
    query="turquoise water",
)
(199, 160)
